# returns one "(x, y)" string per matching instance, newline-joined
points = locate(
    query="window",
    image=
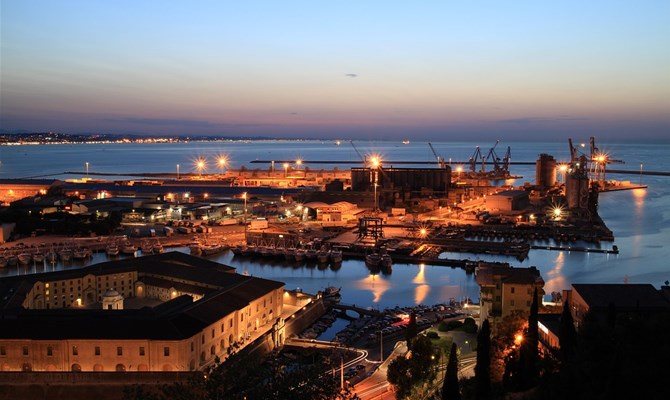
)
(212, 333)
(231, 322)
(512, 290)
(25, 350)
(3, 351)
(50, 351)
(119, 351)
(222, 325)
(141, 350)
(192, 346)
(166, 351)
(75, 351)
(97, 350)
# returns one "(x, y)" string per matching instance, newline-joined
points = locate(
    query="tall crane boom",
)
(358, 152)
(440, 160)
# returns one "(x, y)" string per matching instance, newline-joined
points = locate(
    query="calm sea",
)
(640, 219)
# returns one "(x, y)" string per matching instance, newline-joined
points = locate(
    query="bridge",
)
(352, 307)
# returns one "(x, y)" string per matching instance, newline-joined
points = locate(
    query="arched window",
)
(120, 368)
(76, 368)
(26, 367)
(212, 350)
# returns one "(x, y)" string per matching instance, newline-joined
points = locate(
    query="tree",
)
(450, 389)
(409, 374)
(411, 328)
(483, 367)
(528, 362)
(567, 335)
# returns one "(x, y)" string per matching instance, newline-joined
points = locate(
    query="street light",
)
(459, 169)
(285, 169)
(200, 165)
(563, 168)
(86, 168)
(222, 163)
(244, 196)
(298, 163)
(375, 162)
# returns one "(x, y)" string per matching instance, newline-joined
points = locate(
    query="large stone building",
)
(504, 290)
(168, 312)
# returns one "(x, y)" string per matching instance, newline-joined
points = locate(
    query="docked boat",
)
(112, 249)
(289, 254)
(24, 258)
(266, 251)
(158, 247)
(249, 251)
(335, 256)
(81, 253)
(52, 256)
(310, 254)
(147, 247)
(386, 261)
(237, 250)
(299, 255)
(12, 261)
(323, 256)
(38, 256)
(372, 260)
(195, 247)
(332, 293)
(65, 255)
(128, 248)
(210, 249)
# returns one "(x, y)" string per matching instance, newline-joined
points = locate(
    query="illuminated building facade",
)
(168, 312)
(504, 290)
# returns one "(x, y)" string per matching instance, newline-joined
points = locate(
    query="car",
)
(360, 366)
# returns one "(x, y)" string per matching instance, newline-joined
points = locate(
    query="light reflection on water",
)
(640, 219)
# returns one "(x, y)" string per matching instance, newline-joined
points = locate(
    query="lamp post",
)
(244, 196)
(640, 174)
(200, 164)
(222, 164)
(375, 166)
(459, 169)
(285, 169)
(86, 168)
(381, 346)
(177, 171)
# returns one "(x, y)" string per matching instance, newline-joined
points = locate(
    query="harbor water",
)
(640, 219)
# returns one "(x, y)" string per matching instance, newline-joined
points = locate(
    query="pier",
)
(613, 250)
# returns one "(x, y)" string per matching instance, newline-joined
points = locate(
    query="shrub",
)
(432, 334)
(469, 325)
(442, 327)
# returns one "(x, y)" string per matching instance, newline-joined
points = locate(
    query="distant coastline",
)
(38, 138)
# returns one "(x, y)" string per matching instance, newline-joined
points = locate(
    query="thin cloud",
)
(163, 122)
(531, 120)
(351, 75)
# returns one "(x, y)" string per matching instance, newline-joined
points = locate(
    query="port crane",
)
(599, 160)
(474, 160)
(358, 152)
(440, 160)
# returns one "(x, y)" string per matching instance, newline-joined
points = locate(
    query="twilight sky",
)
(432, 70)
